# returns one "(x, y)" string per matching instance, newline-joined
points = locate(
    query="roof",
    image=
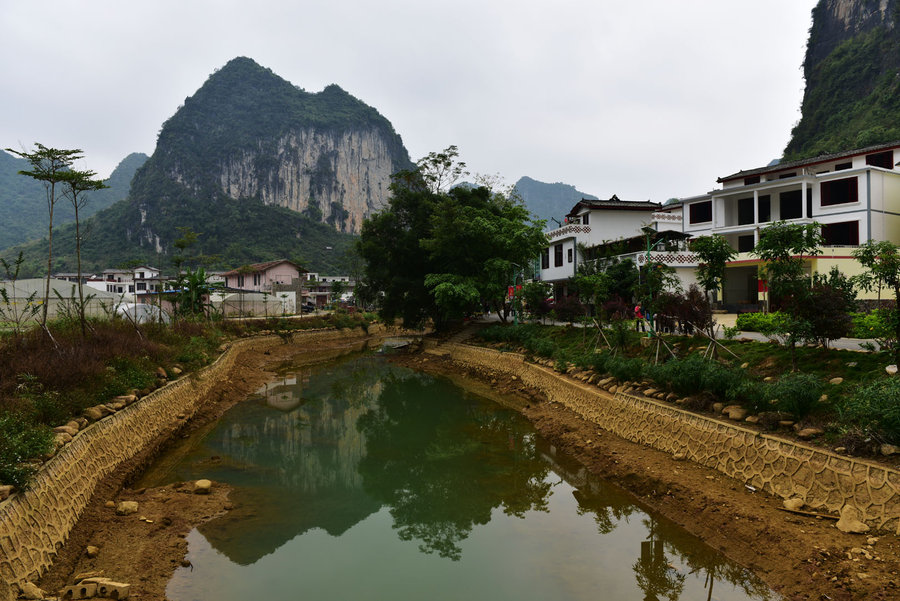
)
(24, 288)
(260, 267)
(824, 158)
(614, 203)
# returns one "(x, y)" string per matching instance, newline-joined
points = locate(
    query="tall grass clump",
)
(20, 441)
(798, 393)
(876, 408)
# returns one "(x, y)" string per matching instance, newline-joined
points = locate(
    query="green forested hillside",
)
(23, 203)
(549, 200)
(852, 95)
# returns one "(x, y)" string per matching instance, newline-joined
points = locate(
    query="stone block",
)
(82, 590)
(126, 508)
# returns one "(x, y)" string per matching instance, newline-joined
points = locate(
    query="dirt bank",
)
(803, 558)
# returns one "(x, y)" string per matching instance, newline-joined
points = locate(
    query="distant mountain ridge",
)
(23, 203)
(260, 168)
(549, 201)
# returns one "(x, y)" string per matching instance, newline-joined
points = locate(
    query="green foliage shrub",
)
(624, 368)
(876, 407)
(797, 393)
(683, 376)
(758, 322)
(20, 441)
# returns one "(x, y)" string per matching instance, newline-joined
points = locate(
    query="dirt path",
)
(802, 558)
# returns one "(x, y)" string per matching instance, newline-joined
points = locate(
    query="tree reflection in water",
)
(442, 466)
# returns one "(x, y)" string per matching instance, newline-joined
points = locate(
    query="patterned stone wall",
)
(824, 480)
(34, 524)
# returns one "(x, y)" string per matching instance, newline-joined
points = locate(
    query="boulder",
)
(176, 371)
(889, 449)
(752, 419)
(31, 591)
(66, 430)
(91, 551)
(745, 365)
(717, 407)
(794, 504)
(126, 508)
(92, 414)
(891, 369)
(735, 412)
(807, 433)
(850, 521)
(161, 373)
(5, 491)
(835, 381)
(61, 438)
(202, 487)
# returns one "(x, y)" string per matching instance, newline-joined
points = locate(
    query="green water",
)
(362, 480)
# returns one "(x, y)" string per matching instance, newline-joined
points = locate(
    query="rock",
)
(891, 369)
(5, 491)
(871, 540)
(823, 398)
(126, 508)
(807, 433)
(91, 551)
(786, 423)
(109, 504)
(889, 449)
(66, 430)
(850, 521)
(768, 379)
(840, 449)
(717, 407)
(672, 397)
(679, 456)
(61, 438)
(93, 414)
(161, 373)
(852, 364)
(752, 419)
(794, 504)
(835, 381)
(745, 365)
(202, 487)
(735, 412)
(92, 575)
(650, 392)
(31, 591)
(176, 371)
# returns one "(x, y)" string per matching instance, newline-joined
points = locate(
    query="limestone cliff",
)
(852, 71)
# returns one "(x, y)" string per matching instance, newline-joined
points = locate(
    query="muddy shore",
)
(803, 558)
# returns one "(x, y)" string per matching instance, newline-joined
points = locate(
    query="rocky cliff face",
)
(339, 178)
(852, 71)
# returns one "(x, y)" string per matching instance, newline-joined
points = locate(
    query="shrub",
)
(876, 407)
(21, 440)
(758, 322)
(683, 376)
(624, 368)
(797, 393)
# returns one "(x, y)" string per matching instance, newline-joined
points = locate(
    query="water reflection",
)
(407, 474)
(443, 465)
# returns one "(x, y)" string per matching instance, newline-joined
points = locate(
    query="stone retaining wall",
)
(824, 480)
(35, 523)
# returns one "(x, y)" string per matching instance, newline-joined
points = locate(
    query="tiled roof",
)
(261, 267)
(615, 203)
(810, 161)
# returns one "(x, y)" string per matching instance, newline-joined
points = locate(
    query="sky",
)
(646, 100)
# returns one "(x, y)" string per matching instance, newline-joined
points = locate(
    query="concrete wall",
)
(34, 524)
(825, 481)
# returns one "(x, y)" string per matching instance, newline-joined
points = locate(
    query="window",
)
(131, 288)
(745, 211)
(701, 212)
(557, 255)
(881, 159)
(841, 234)
(140, 275)
(745, 243)
(240, 281)
(256, 279)
(842, 166)
(791, 204)
(545, 258)
(584, 219)
(141, 286)
(568, 255)
(839, 191)
(749, 181)
(765, 209)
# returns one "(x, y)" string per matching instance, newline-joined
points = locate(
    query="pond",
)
(359, 479)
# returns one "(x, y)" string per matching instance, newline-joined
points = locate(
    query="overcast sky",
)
(644, 99)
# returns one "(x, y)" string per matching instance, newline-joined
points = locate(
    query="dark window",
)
(141, 286)
(787, 175)
(240, 279)
(584, 219)
(569, 255)
(841, 234)
(745, 243)
(765, 209)
(808, 202)
(881, 159)
(701, 212)
(545, 258)
(791, 204)
(131, 288)
(839, 191)
(557, 255)
(842, 166)
(256, 279)
(745, 211)
(754, 179)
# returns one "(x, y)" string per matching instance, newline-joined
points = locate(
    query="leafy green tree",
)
(75, 183)
(784, 248)
(534, 296)
(48, 166)
(337, 290)
(881, 262)
(439, 255)
(714, 253)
